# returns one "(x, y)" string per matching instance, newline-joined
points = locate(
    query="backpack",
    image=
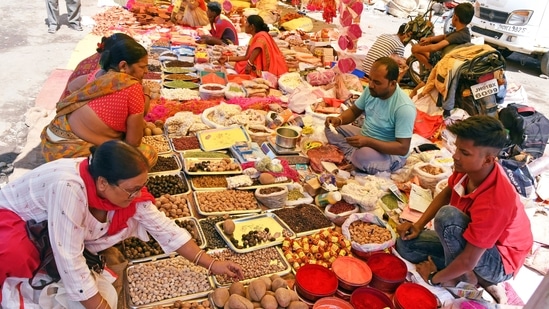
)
(528, 129)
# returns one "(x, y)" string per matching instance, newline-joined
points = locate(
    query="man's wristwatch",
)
(430, 279)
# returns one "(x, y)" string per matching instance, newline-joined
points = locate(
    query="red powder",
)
(352, 270)
(414, 296)
(316, 279)
(387, 266)
(368, 298)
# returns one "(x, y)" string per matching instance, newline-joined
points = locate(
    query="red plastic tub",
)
(388, 272)
(365, 255)
(314, 282)
(331, 303)
(351, 272)
(370, 298)
(414, 296)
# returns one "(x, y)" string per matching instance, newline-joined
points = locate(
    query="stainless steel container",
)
(287, 137)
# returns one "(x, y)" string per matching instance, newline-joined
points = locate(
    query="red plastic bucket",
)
(414, 296)
(370, 298)
(388, 272)
(314, 282)
(351, 272)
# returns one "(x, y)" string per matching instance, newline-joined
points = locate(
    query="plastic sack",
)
(194, 16)
(288, 82)
(369, 218)
(306, 199)
(55, 296)
(318, 78)
(270, 78)
(302, 23)
(342, 92)
(302, 97)
(429, 174)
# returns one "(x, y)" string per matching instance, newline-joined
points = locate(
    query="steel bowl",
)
(287, 137)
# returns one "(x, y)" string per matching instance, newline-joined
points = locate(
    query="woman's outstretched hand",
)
(231, 269)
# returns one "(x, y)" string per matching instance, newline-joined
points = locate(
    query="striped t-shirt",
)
(384, 46)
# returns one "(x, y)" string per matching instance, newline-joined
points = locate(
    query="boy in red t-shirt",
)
(481, 231)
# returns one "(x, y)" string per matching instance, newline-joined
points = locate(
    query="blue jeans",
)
(450, 223)
(366, 159)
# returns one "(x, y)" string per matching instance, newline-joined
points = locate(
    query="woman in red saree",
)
(262, 55)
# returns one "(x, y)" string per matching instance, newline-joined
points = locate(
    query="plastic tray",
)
(200, 154)
(151, 258)
(158, 137)
(167, 301)
(280, 257)
(171, 304)
(181, 175)
(221, 213)
(195, 188)
(172, 172)
(258, 222)
(278, 184)
(189, 198)
(187, 163)
(309, 232)
(223, 138)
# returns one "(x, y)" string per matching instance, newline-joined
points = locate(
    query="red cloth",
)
(219, 27)
(121, 215)
(497, 217)
(18, 255)
(269, 59)
(427, 125)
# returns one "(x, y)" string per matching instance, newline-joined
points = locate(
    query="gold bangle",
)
(340, 120)
(100, 303)
(210, 266)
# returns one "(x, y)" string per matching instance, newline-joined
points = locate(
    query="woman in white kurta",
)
(92, 203)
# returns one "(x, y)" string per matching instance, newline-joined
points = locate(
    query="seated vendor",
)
(262, 54)
(111, 106)
(222, 30)
(383, 143)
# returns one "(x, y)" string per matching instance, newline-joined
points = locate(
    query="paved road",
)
(28, 55)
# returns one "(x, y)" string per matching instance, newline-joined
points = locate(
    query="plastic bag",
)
(55, 296)
(304, 95)
(429, 174)
(194, 16)
(369, 218)
(342, 92)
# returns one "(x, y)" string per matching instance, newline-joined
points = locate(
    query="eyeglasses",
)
(133, 194)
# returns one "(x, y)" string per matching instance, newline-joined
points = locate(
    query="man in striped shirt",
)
(385, 46)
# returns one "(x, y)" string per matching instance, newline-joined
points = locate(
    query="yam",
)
(228, 226)
(237, 288)
(220, 296)
(279, 283)
(147, 132)
(297, 304)
(283, 297)
(267, 281)
(157, 131)
(269, 302)
(257, 289)
(237, 301)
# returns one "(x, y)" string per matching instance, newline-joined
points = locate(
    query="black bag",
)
(38, 234)
(519, 175)
(527, 128)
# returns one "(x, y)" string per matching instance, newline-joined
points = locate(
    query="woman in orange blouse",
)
(262, 55)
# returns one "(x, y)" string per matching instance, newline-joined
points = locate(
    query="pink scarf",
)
(121, 215)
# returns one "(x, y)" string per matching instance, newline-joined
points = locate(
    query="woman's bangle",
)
(249, 63)
(210, 266)
(100, 303)
(147, 95)
(197, 257)
(340, 120)
(228, 59)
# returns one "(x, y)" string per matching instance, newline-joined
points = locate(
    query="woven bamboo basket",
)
(274, 200)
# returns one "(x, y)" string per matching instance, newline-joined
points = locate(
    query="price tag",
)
(485, 89)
